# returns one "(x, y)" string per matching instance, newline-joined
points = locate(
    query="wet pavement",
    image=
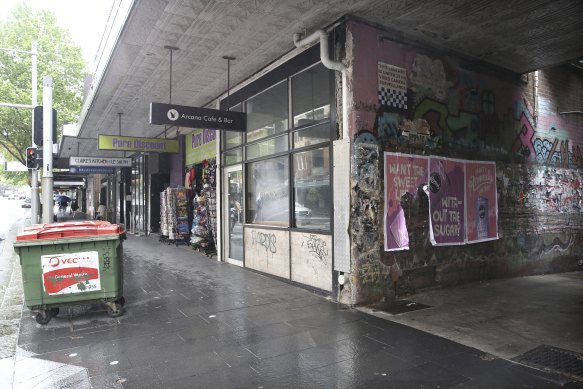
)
(193, 322)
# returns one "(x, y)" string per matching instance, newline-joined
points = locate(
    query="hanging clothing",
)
(187, 180)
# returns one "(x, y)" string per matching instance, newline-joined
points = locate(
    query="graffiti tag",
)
(268, 241)
(317, 247)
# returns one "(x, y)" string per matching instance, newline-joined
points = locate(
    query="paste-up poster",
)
(404, 173)
(446, 191)
(392, 86)
(481, 201)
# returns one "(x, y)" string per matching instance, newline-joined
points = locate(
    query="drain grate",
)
(555, 360)
(397, 307)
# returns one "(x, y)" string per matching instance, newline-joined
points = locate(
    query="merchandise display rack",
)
(174, 216)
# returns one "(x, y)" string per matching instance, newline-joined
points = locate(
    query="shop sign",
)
(91, 170)
(100, 161)
(195, 117)
(129, 143)
(200, 145)
(71, 273)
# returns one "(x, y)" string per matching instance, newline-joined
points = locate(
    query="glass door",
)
(233, 214)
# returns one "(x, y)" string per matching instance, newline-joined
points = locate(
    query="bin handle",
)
(89, 230)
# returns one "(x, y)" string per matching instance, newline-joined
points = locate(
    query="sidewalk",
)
(192, 322)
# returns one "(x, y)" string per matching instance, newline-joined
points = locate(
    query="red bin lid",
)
(85, 228)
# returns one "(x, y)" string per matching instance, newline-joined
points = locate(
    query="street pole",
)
(47, 180)
(34, 203)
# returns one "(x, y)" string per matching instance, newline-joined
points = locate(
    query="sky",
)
(85, 19)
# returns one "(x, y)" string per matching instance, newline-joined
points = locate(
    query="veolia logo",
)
(173, 114)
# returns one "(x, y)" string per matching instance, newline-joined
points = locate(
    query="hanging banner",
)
(446, 191)
(481, 200)
(128, 143)
(200, 145)
(404, 173)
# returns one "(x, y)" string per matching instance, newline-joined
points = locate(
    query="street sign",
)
(14, 166)
(195, 117)
(100, 161)
(91, 170)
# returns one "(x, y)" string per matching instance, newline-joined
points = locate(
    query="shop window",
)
(267, 147)
(311, 95)
(312, 135)
(267, 112)
(312, 189)
(232, 156)
(268, 192)
(233, 138)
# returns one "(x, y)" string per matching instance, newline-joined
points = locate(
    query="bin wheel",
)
(54, 311)
(114, 313)
(121, 301)
(43, 317)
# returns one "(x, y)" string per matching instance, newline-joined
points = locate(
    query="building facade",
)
(316, 191)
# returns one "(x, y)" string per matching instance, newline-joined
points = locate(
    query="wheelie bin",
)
(71, 263)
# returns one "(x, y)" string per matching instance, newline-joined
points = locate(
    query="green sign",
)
(200, 145)
(129, 143)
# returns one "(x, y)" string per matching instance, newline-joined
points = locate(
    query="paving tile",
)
(187, 366)
(195, 323)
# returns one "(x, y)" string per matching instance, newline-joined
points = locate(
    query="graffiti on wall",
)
(554, 151)
(366, 203)
(428, 77)
(545, 189)
(317, 247)
(460, 113)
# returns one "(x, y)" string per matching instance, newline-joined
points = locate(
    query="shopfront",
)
(277, 198)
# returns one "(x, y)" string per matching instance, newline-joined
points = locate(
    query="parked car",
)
(303, 214)
(26, 203)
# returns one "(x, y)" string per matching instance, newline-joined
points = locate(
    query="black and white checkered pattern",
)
(393, 98)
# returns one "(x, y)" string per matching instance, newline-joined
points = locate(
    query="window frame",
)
(284, 73)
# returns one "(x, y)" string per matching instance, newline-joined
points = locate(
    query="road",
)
(11, 214)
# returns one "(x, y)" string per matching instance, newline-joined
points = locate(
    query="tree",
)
(58, 57)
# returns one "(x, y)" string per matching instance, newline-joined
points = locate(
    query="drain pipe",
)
(330, 64)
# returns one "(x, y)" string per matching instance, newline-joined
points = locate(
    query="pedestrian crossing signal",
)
(31, 158)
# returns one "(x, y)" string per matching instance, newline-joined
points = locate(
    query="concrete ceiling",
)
(519, 36)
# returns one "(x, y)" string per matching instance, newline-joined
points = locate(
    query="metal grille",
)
(553, 359)
(397, 307)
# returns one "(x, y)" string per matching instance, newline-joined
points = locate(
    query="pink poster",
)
(446, 201)
(481, 200)
(404, 173)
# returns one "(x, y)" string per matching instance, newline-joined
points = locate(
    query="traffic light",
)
(31, 158)
(37, 128)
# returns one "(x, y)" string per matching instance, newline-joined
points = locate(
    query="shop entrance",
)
(233, 214)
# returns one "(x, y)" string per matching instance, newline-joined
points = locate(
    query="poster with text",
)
(404, 173)
(71, 272)
(446, 191)
(481, 201)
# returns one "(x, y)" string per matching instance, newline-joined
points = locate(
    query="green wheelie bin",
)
(71, 263)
